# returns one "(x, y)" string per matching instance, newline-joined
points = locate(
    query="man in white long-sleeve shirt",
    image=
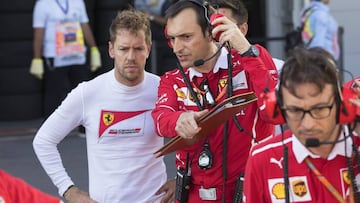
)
(115, 110)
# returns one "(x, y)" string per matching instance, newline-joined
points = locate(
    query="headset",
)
(208, 19)
(273, 103)
(346, 111)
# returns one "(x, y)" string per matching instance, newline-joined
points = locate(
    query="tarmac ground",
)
(18, 158)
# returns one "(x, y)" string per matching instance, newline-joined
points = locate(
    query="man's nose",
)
(307, 120)
(131, 54)
(177, 45)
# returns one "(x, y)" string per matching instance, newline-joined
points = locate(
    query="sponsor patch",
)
(121, 123)
(299, 189)
(239, 81)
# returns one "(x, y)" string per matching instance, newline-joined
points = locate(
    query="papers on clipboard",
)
(210, 121)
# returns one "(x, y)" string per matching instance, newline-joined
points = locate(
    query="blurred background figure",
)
(59, 51)
(162, 58)
(320, 28)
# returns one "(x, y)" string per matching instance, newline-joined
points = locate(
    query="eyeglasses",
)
(297, 114)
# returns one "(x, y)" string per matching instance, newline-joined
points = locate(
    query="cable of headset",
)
(229, 93)
(226, 125)
(286, 174)
(286, 167)
(352, 178)
(348, 162)
(350, 165)
(187, 82)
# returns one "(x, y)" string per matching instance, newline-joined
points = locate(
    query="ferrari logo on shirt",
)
(121, 123)
(346, 181)
(107, 118)
(222, 82)
(346, 177)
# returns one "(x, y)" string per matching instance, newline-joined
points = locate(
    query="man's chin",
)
(186, 64)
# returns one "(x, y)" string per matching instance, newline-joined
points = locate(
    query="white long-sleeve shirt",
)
(120, 139)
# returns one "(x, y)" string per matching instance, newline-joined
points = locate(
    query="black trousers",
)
(58, 82)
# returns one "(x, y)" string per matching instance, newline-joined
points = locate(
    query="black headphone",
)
(208, 19)
(346, 111)
(205, 6)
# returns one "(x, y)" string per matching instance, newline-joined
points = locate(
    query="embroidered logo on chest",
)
(299, 189)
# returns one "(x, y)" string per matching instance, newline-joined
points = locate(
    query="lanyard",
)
(66, 9)
(326, 183)
(204, 91)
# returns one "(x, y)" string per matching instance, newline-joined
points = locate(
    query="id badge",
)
(207, 194)
(69, 44)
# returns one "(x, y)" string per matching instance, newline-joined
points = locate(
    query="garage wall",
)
(21, 93)
(347, 13)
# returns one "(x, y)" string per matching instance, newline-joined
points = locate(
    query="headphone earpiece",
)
(347, 110)
(167, 38)
(273, 103)
(273, 111)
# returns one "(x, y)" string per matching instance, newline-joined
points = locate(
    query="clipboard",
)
(210, 121)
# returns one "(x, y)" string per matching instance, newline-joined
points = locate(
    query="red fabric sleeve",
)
(166, 111)
(13, 189)
(262, 74)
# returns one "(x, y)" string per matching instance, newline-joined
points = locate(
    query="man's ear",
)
(209, 35)
(149, 50)
(111, 50)
(244, 28)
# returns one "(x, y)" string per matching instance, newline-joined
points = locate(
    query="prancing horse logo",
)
(108, 118)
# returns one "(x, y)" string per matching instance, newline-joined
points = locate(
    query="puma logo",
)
(274, 161)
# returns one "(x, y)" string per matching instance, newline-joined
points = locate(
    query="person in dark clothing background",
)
(162, 58)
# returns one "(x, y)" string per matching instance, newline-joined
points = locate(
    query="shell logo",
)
(278, 190)
(180, 94)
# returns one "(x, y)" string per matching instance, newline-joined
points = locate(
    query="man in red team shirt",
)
(13, 189)
(215, 164)
(316, 159)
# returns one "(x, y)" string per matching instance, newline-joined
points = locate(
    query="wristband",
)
(94, 49)
(68, 189)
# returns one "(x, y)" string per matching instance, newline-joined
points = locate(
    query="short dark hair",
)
(238, 8)
(131, 20)
(200, 7)
(315, 66)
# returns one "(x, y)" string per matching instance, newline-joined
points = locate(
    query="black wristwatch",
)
(253, 51)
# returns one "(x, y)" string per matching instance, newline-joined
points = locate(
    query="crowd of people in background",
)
(202, 58)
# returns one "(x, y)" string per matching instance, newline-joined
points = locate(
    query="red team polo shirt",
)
(264, 172)
(15, 190)
(249, 74)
